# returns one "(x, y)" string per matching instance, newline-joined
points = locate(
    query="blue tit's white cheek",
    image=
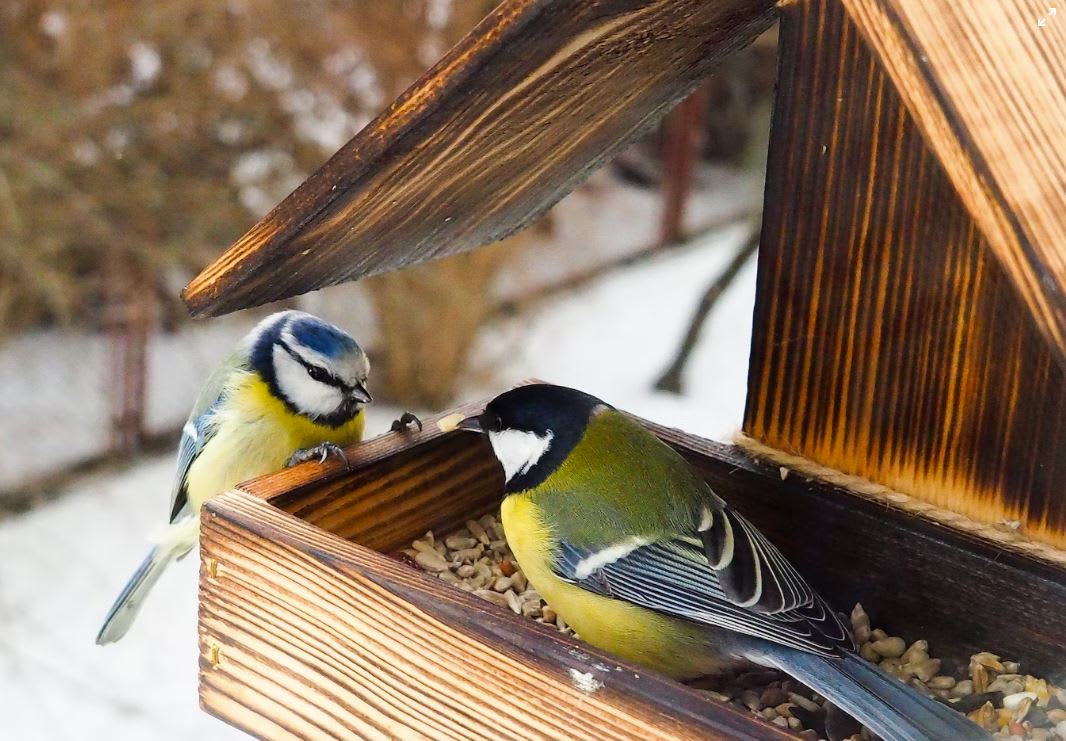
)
(310, 397)
(518, 450)
(350, 367)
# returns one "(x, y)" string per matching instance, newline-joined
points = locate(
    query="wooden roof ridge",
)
(986, 84)
(508, 122)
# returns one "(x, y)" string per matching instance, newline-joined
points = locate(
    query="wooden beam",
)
(986, 84)
(510, 121)
(682, 139)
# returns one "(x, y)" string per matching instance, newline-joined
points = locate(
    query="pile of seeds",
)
(476, 558)
(992, 692)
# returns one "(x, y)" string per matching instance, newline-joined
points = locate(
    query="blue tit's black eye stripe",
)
(316, 372)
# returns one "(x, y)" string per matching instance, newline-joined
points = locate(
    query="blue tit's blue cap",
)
(322, 337)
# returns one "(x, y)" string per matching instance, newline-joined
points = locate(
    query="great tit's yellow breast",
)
(256, 434)
(633, 633)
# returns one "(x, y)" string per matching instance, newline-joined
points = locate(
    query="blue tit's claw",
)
(319, 452)
(406, 423)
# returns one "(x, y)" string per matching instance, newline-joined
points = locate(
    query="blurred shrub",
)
(150, 134)
(428, 317)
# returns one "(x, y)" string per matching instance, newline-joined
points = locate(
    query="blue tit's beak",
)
(359, 393)
(471, 424)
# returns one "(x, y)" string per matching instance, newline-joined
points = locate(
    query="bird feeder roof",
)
(544, 91)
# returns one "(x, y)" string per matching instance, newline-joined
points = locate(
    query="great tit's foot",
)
(406, 423)
(318, 452)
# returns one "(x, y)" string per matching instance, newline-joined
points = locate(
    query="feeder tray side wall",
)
(920, 579)
(305, 635)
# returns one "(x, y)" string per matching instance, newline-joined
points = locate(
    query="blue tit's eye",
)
(318, 374)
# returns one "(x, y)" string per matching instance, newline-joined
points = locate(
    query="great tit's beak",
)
(470, 424)
(359, 393)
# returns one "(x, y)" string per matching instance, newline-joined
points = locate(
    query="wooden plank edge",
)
(292, 481)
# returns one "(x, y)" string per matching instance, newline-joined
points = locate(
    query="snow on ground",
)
(63, 563)
(60, 568)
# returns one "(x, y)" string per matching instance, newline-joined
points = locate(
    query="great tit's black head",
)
(533, 428)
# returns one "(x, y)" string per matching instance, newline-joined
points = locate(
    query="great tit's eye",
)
(497, 424)
(318, 374)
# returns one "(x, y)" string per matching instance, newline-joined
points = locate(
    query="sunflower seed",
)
(432, 561)
(891, 648)
(477, 531)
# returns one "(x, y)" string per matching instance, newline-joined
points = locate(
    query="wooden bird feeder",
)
(908, 360)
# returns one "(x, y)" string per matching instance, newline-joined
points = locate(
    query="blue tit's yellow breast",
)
(633, 633)
(256, 434)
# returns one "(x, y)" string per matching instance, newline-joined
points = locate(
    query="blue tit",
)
(634, 550)
(294, 389)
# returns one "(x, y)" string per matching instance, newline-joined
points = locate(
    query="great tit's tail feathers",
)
(120, 616)
(890, 708)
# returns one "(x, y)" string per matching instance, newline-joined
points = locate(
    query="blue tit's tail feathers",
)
(890, 708)
(128, 604)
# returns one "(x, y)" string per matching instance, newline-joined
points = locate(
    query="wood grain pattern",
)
(512, 119)
(987, 87)
(305, 635)
(889, 343)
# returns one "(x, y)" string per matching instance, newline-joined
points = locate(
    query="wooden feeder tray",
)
(309, 629)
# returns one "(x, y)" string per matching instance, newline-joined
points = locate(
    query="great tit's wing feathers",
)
(648, 529)
(675, 577)
(752, 572)
(200, 427)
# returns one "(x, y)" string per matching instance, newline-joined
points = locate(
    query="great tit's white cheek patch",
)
(309, 396)
(518, 450)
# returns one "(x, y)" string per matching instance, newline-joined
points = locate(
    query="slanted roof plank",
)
(986, 83)
(511, 120)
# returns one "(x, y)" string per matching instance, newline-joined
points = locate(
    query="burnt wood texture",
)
(889, 342)
(986, 83)
(512, 119)
(305, 633)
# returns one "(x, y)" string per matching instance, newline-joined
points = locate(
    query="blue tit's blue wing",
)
(201, 427)
(674, 576)
(194, 435)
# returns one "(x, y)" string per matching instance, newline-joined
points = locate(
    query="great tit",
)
(635, 551)
(293, 390)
